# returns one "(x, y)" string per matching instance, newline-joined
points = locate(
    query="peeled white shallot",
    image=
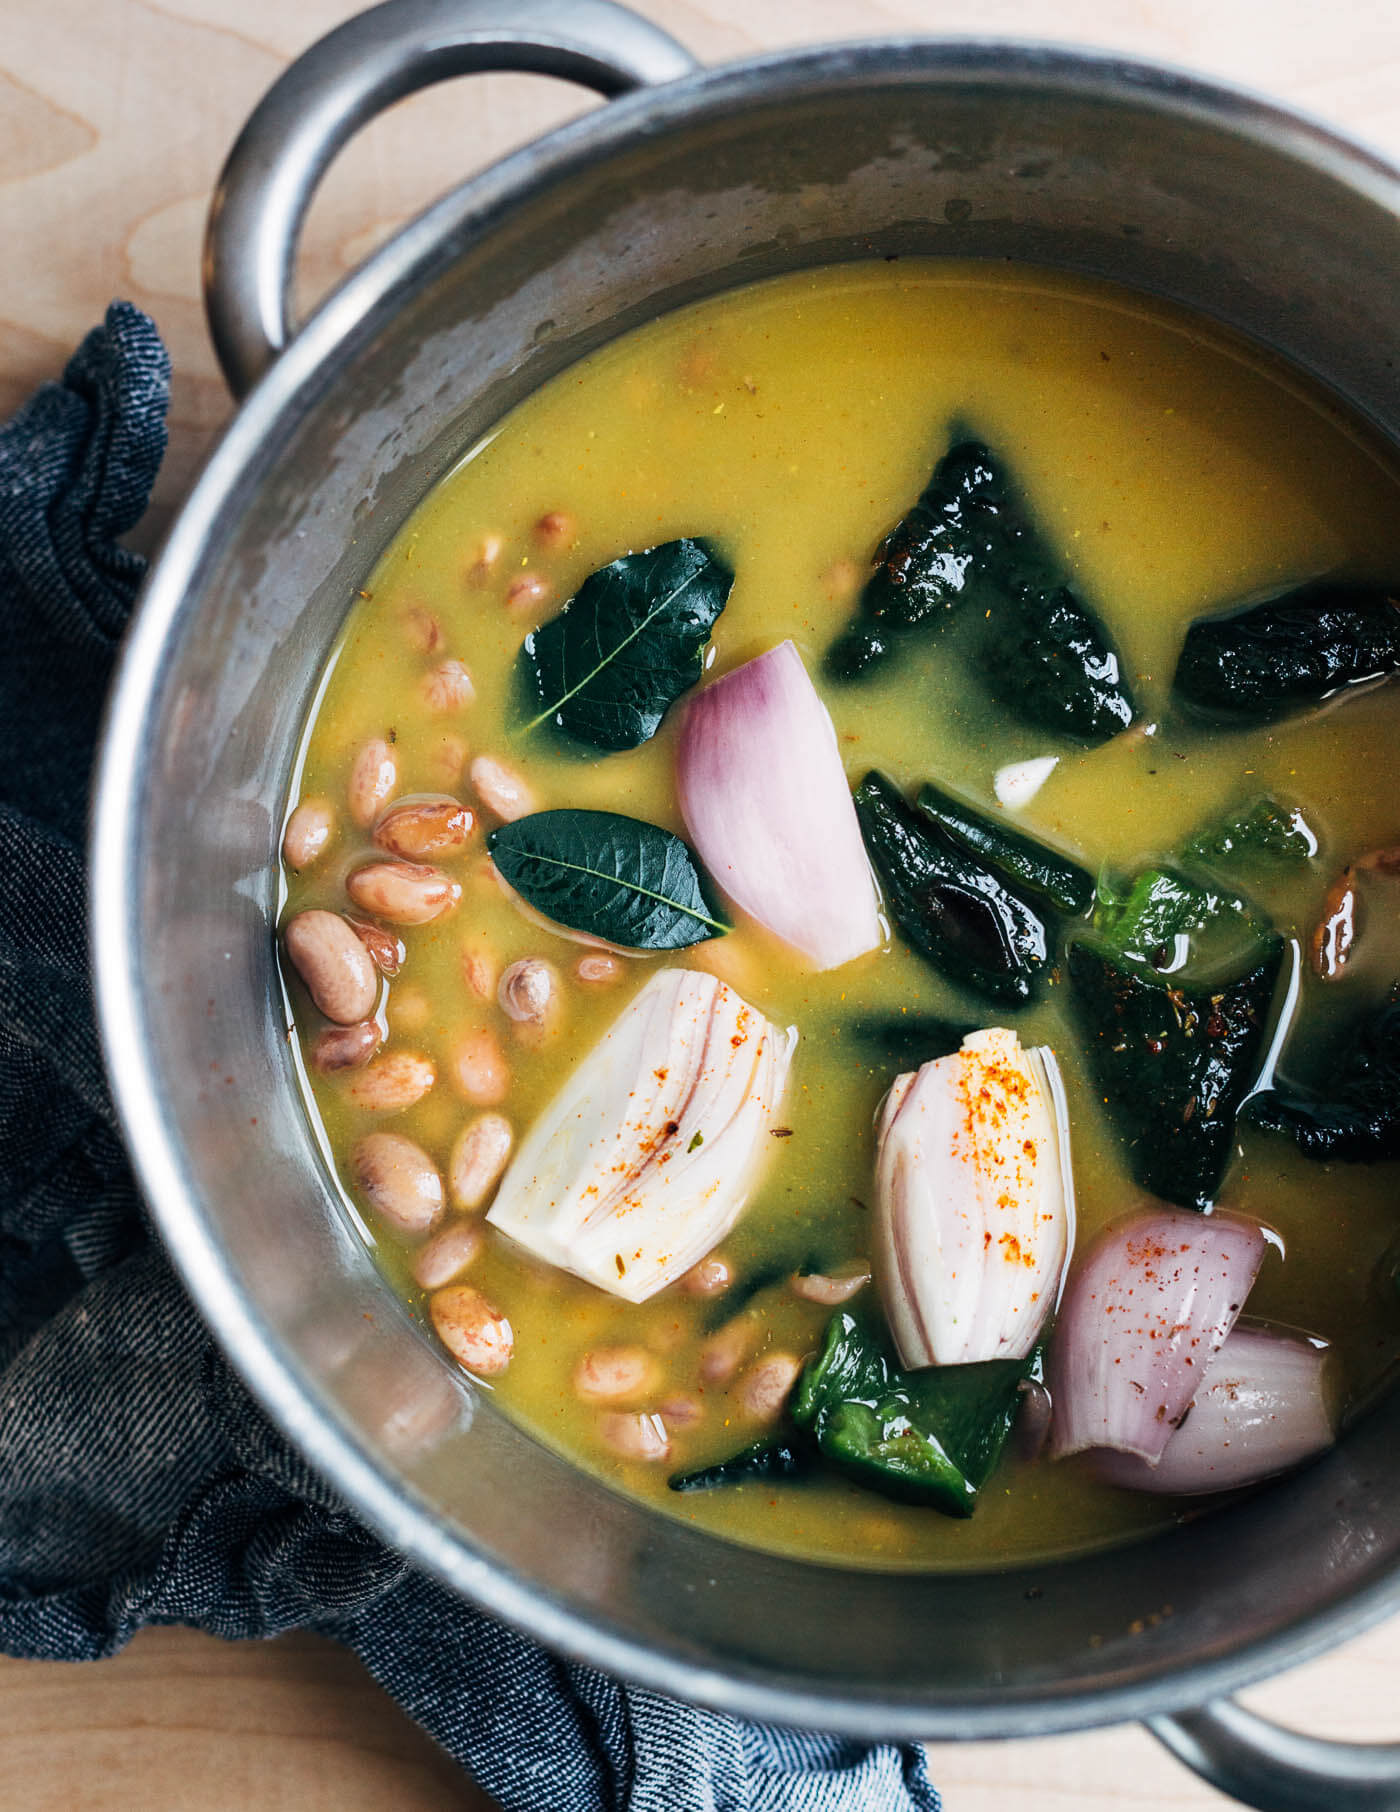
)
(1143, 1318)
(646, 1157)
(975, 1202)
(765, 800)
(1267, 1403)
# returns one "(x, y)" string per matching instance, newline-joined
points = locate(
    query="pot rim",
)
(394, 1509)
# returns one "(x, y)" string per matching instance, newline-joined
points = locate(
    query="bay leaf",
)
(616, 878)
(626, 646)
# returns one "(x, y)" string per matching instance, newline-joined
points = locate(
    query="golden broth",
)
(791, 423)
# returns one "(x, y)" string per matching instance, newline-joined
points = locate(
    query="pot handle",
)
(1277, 1770)
(339, 85)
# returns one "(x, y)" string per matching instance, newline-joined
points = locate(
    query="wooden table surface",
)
(114, 118)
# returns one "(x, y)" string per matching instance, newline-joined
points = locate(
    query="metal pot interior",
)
(945, 151)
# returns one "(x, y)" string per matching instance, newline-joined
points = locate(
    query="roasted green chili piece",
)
(1173, 922)
(928, 1437)
(789, 1456)
(1357, 1121)
(1256, 665)
(1043, 873)
(953, 909)
(1262, 832)
(927, 562)
(911, 1039)
(1039, 648)
(1173, 1065)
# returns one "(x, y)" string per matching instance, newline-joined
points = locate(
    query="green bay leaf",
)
(612, 877)
(626, 645)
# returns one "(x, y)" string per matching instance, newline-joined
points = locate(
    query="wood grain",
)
(114, 118)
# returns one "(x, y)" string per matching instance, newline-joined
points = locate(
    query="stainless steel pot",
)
(694, 181)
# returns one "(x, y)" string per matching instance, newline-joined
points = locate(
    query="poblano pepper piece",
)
(953, 909)
(928, 1437)
(1262, 832)
(1357, 1121)
(1174, 923)
(1254, 666)
(786, 1456)
(1027, 864)
(911, 1039)
(1173, 1064)
(926, 563)
(1039, 649)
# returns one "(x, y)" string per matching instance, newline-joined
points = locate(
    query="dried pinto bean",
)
(421, 629)
(555, 529)
(529, 991)
(374, 775)
(478, 1159)
(392, 1082)
(344, 1047)
(480, 1068)
(500, 789)
(709, 1277)
(447, 688)
(405, 893)
(308, 833)
(727, 1349)
(527, 592)
(635, 1437)
(480, 969)
(815, 1286)
(488, 555)
(386, 951)
(400, 1181)
(615, 1374)
(764, 1387)
(420, 829)
(325, 952)
(598, 969)
(447, 1254)
(472, 1329)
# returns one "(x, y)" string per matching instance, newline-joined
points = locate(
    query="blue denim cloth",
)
(138, 1482)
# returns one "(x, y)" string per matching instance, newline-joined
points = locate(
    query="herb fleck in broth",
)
(789, 425)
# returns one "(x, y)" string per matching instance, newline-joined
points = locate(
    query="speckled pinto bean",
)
(709, 1277)
(480, 1068)
(615, 1374)
(345, 1047)
(555, 529)
(325, 952)
(488, 557)
(635, 1437)
(447, 688)
(500, 789)
(386, 951)
(421, 829)
(404, 893)
(727, 1349)
(478, 1159)
(447, 1254)
(392, 1082)
(764, 1387)
(399, 1180)
(473, 1329)
(815, 1286)
(528, 592)
(374, 775)
(308, 834)
(529, 991)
